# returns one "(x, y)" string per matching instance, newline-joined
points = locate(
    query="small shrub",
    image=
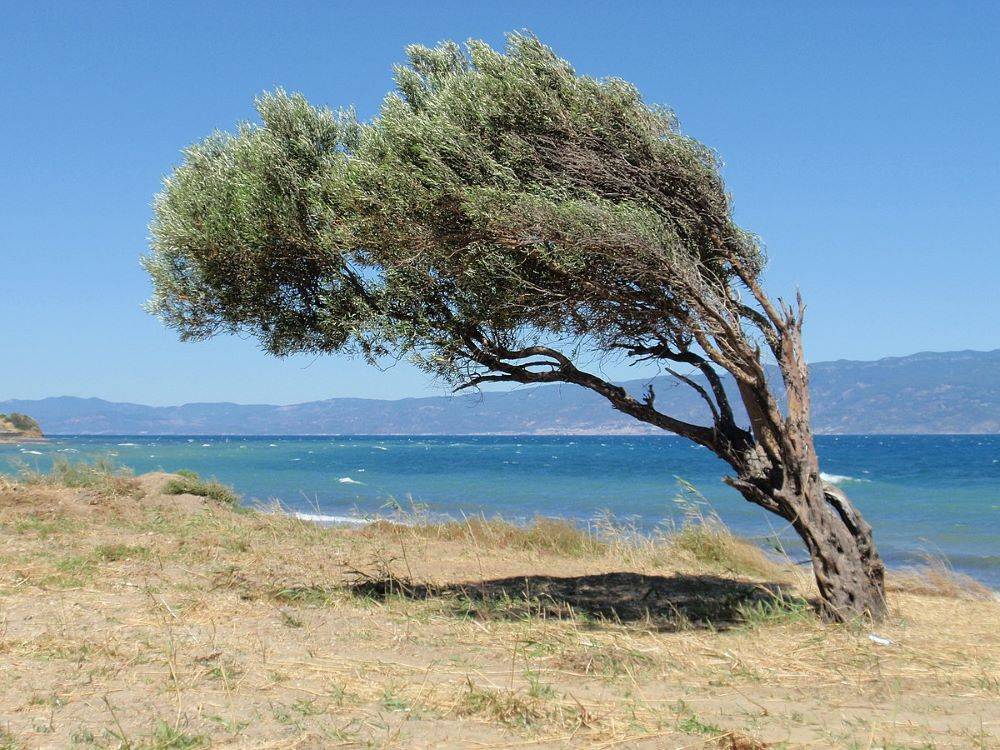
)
(189, 483)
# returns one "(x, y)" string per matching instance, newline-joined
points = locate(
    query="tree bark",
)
(849, 572)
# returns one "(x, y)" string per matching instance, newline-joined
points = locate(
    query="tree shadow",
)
(661, 602)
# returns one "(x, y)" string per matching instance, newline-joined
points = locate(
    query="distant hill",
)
(930, 392)
(16, 427)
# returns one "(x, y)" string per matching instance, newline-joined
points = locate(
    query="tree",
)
(501, 218)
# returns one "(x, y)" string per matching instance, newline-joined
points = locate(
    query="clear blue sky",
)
(860, 141)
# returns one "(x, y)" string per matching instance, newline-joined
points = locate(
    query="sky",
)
(860, 141)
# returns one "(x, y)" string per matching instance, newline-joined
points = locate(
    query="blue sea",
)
(924, 495)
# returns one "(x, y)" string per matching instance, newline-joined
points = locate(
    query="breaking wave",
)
(839, 478)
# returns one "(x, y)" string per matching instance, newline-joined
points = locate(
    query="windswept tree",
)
(500, 220)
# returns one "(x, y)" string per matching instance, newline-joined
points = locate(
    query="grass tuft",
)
(712, 544)
(780, 609)
(189, 483)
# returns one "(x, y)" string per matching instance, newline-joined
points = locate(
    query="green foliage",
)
(498, 200)
(189, 483)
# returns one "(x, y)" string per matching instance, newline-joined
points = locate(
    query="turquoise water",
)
(936, 495)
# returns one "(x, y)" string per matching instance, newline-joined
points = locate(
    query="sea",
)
(926, 496)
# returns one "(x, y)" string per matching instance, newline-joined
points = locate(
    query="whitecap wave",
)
(127, 445)
(33, 453)
(839, 478)
(348, 480)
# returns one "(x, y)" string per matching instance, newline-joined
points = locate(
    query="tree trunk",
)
(849, 572)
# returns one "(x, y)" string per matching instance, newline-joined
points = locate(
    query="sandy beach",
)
(133, 618)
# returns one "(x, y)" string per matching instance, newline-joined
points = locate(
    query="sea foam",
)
(839, 478)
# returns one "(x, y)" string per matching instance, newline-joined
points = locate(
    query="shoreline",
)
(462, 475)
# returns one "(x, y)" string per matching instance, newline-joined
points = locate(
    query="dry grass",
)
(702, 543)
(174, 622)
(936, 578)
(102, 477)
(544, 535)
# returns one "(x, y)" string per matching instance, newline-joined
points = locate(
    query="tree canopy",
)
(498, 202)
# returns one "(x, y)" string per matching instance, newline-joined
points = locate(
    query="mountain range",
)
(929, 392)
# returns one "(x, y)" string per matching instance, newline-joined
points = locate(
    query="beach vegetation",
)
(504, 219)
(189, 483)
(102, 476)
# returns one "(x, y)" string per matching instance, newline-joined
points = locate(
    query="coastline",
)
(898, 482)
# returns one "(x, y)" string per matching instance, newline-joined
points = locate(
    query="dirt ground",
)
(134, 619)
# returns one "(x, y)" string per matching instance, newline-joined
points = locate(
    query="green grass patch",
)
(779, 610)
(189, 483)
